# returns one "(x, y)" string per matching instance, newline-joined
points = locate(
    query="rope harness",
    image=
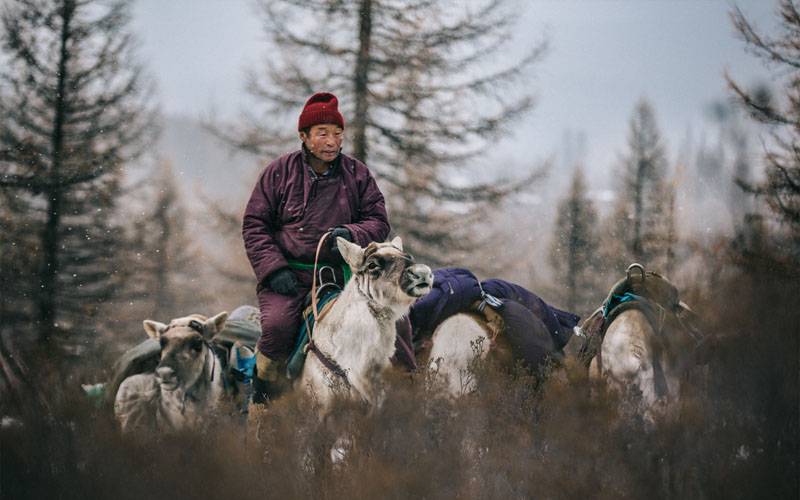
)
(323, 358)
(493, 320)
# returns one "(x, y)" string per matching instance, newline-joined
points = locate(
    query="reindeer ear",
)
(154, 329)
(351, 253)
(397, 243)
(214, 325)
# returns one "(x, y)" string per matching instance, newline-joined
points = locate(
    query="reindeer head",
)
(385, 274)
(183, 348)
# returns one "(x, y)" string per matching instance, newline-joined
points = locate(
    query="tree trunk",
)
(572, 258)
(50, 235)
(672, 236)
(162, 301)
(50, 265)
(638, 215)
(361, 81)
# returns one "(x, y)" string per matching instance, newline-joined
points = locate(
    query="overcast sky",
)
(604, 55)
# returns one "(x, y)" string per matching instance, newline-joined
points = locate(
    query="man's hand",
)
(283, 282)
(339, 232)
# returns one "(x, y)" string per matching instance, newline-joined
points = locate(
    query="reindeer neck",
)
(383, 314)
(362, 328)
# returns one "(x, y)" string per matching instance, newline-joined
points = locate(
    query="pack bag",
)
(142, 358)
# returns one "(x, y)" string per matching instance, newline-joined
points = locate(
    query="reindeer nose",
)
(164, 373)
(420, 274)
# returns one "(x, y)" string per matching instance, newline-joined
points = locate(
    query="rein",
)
(314, 279)
(329, 363)
(323, 358)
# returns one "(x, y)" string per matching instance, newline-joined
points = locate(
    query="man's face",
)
(323, 141)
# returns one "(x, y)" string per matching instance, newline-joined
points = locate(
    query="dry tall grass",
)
(734, 433)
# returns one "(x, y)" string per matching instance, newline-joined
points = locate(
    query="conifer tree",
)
(641, 216)
(780, 52)
(724, 159)
(573, 249)
(423, 92)
(75, 114)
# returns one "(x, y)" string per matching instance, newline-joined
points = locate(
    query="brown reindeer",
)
(187, 383)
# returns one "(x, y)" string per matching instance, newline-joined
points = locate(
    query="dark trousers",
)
(280, 322)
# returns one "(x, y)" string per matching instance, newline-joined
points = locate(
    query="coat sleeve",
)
(258, 230)
(372, 222)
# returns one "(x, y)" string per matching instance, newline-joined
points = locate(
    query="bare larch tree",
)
(425, 88)
(163, 251)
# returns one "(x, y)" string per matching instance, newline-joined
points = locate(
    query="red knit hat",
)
(322, 107)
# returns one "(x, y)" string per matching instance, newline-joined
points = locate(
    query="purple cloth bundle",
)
(535, 329)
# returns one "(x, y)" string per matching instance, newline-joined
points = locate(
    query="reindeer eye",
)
(373, 266)
(197, 345)
(163, 342)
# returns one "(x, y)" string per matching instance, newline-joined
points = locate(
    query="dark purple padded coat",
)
(290, 209)
(535, 328)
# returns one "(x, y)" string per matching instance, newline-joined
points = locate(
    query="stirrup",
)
(326, 288)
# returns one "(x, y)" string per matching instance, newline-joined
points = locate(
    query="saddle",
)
(294, 366)
(656, 297)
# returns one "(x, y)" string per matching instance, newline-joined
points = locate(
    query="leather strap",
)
(314, 280)
(329, 363)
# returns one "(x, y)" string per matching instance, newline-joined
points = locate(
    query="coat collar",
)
(334, 165)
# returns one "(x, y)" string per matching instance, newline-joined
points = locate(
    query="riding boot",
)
(261, 389)
(268, 379)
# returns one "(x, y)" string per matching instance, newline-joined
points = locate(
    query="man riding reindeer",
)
(298, 198)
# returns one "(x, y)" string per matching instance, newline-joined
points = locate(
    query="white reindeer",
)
(630, 358)
(458, 342)
(357, 336)
(187, 383)
(650, 343)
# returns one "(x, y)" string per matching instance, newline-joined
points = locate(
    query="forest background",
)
(547, 143)
(569, 80)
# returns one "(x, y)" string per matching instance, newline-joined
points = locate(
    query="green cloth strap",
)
(302, 265)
